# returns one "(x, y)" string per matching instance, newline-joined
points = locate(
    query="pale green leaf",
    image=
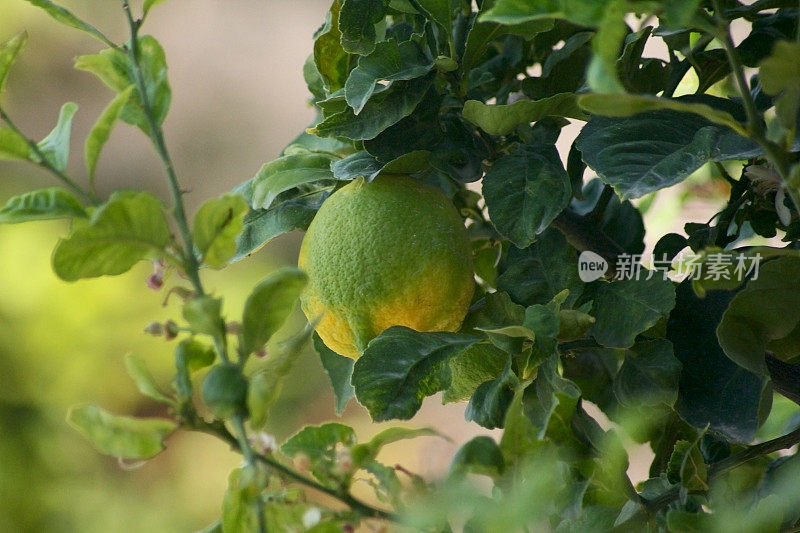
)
(55, 147)
(9, 51)
(101, 130)
(42, 204)
(144, 380)
(216, 226)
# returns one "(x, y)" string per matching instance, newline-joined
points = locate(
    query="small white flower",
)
(263, 442)
(311, 517)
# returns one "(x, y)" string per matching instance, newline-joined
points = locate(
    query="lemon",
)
(390, 252)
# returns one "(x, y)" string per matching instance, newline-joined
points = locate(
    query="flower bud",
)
(263, 442)
(170, 330)
(155, 329)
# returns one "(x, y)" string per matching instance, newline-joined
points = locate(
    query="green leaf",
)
(438, 11)
(318, 444)
(268, 307)
(332, 61)
(481, 455)
(525, 191)
(766, 311)
(238, 504)
(368, 451)
(602, 73)
(225, 391)
(503, 119)
(190, 356)
(649, 376)
(9, 51)
(357, 24)
(714, 390)
(400, 367)
(121, 436)
(381, 111)
(13, 145)
(363, 165)
(542, 270)
(339, 369)
(626, 105)
(488, 405)
(656, 149)
(66, 17)
(483, 33)
(113, 67)
(144, 380)
(286, 173)
(625, 308)
(101, 130)
(573, 324)
(475, 365)
(266, 383)
(55, 147)
(42, 204)
(686, 465)
(216, 225)
(779, 75)
(390, 61)
(150, 4)
(204, 315)
(128, 228)
(544, 322)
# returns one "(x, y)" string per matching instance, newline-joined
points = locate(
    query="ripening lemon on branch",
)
(392, 252)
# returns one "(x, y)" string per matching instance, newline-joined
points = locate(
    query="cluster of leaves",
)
(454, 96)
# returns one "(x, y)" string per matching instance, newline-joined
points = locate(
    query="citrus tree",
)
(453, 249)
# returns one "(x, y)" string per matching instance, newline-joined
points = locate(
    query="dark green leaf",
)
(400, 367)
(9, 51)
(363, 165)
(438, 10)
(625, 308)
(475, 365)
(686, 465)
(285, 173)
(481, 455)
(767, 310)
(497, 313)
(488, 405)
(525, 191)
(542, 270)
(390, 61)
(101, 130)
(333, 63)
(128, 228)
(42, 204)
(713, 389)
(66, 17)
(380, 112)
(121, 436)
(144, 380)
(649, 376)
(656, 149)
(13, 145)
(357, 24)
(503, 119)
(225, 391)
(55, 147)
(544, 322)
(268, 307)
(204, 315)
(339, 369)
(190, 356)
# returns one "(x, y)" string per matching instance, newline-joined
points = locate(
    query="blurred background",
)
(238, 99)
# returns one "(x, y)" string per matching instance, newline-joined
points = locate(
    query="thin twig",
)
(45, 163)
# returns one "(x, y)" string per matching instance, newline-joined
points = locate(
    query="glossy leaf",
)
(339, 369)
(268, 307)
(687, 466)
(101, 130)
(285, 173)
(625, 308)
(357, 21)
(525, 191)
(649, 376)
(481, 455)
(488, 405)
(401, 367)
(42, 204)
(128, 228)
(121, 436)
(390, 61)
(363, 165)
(216, 226)
(438, 10)
(55, 147)
(503, 119)
(319, 444)
(332, 61)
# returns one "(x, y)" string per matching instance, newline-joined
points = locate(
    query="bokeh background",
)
(238, 99)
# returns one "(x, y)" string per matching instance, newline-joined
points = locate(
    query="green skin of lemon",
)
(381, 254)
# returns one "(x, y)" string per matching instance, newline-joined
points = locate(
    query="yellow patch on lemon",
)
(393, 252)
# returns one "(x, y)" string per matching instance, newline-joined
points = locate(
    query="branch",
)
(785, 377)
